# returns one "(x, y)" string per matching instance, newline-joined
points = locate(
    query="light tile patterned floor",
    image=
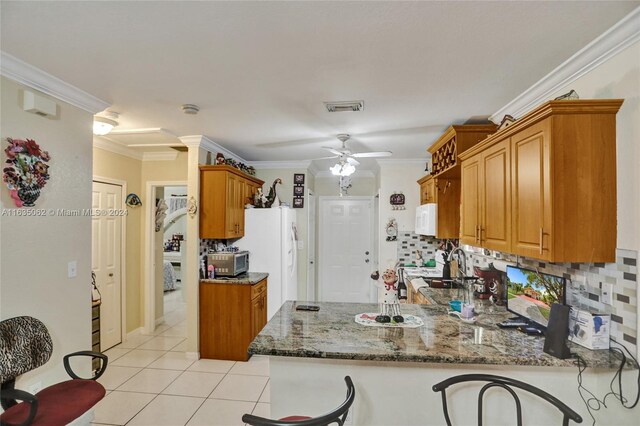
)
(151, 381)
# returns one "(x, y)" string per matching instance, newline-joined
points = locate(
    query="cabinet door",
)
(531, 198)
(495, 223)
(423, 193)
(241, 201)
(470, 201)
(431, 190)
(213, 201)
(232, 208)
(258, 314)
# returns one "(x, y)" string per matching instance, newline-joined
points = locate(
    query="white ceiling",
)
(260, 70)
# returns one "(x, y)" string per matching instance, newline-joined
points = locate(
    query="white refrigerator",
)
(270, 238)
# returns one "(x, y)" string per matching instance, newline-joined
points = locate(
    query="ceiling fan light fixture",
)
(344, 106)
(342, 169)
(104, 123)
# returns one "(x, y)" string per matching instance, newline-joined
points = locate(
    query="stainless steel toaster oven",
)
(229, 264)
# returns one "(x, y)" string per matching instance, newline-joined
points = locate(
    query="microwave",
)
(427, 219)
(229, 264)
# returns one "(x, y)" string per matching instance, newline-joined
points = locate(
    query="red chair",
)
(339, 415)
(25, 344)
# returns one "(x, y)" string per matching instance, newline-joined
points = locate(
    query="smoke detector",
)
(190, 109)
(352, 106)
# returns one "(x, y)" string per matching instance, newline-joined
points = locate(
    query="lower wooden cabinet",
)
(415, 297)
(231, 316)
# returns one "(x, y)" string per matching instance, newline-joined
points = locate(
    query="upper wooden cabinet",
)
(485, 212)
(561, 192)
(224, 191)
(455, 140)
(443, 185)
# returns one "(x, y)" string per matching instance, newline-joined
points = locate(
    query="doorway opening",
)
(165, 238)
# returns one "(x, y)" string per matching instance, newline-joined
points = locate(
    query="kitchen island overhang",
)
(394, 368)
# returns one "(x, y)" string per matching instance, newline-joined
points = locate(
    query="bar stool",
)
(339, 415)
(505, 383)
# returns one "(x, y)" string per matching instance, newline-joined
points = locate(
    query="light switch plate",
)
(607, 294)
(72, 269)
(300, 245)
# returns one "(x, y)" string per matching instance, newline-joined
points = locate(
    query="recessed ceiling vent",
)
(190, 109)
(351, 106)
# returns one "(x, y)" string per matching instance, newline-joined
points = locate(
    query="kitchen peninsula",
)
(394, 368)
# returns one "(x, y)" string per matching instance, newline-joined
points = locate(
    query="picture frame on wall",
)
(298, 178)
(298, 203)
(298, 191)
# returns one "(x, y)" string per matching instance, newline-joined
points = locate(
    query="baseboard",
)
(193, 355)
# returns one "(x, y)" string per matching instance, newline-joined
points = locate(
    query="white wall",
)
(35, 250)
(397, 177)
(360, 185)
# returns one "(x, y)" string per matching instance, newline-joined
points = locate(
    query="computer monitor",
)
(530, 294)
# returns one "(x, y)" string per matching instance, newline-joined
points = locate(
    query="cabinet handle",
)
(477, 226)
(541, 233)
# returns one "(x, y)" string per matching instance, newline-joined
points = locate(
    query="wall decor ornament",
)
(25, 173)
(133, 200)
(192, 207)
(397, 201)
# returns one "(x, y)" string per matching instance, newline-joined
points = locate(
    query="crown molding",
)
(201, 141)
(313, 168)
(160, 156)
(30, 76)
(611, 42)
(293, 164)
(114, 147)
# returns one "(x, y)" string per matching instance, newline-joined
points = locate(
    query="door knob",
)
(311, 262)
(111, 274)
(366, 261)
(366, 252)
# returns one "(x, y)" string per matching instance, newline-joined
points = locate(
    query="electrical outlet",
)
(35, 388)
(607, 294)
(72, 269)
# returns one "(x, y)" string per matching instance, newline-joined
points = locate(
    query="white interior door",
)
(311, 248)
(106, 241)
(345, 249)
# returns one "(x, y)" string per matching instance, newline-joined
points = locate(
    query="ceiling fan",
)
(346, 155)
(347, 162)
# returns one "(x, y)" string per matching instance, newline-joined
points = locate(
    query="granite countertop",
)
(249, 278)
(332, 333)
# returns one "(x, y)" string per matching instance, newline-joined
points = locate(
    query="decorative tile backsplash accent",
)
(409, 243)
(584, 281)
(584, 286)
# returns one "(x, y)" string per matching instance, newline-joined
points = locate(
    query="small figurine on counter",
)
(419, 260)
(259, 200)
(390, 302)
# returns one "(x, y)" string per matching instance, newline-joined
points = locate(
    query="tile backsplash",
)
(584, 280)
(584, 285)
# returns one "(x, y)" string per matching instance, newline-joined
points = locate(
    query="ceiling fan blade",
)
(333, 151)
(373, 154)
(353, 161)
(323, 158)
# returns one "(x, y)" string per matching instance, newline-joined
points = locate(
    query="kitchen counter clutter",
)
(396, 367)
(332, 333)
(249, 278)
(232, 312)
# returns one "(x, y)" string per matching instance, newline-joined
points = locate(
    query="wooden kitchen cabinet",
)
(562, 183)
(231, 316)
(485, 212)
(427, 189)
(224, 191)
(415, 297)
(442, 187)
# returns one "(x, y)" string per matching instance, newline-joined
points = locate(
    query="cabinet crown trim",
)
(566, 107)
(458, 129)
(230, 169)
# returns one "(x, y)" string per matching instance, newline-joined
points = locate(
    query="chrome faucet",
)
(462, 260)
